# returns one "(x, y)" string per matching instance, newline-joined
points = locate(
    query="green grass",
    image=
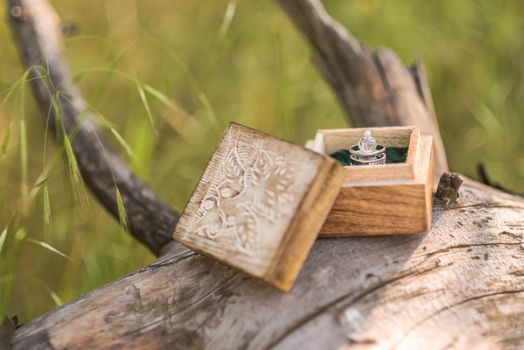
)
(164, 78)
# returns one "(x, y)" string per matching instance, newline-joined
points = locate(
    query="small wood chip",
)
(448, 187)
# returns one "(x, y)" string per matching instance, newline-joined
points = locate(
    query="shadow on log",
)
(459, 286)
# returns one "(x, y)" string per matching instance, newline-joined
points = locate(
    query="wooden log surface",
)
(459, 286)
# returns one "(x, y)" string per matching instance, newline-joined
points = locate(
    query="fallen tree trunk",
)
(459, 286)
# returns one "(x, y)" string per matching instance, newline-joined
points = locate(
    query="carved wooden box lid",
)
(260, 204)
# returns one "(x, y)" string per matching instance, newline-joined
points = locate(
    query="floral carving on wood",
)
(252, 184)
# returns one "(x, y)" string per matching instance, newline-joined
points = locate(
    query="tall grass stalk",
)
(7, 138)
(122, 215)
(3, 236)
(48, 246)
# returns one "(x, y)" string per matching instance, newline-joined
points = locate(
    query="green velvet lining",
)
(393, 155)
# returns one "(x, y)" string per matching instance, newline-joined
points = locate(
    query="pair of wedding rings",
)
(367, 151)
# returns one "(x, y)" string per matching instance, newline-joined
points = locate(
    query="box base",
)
(381, 199)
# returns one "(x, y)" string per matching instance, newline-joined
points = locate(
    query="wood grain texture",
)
(374, 88)
(36, 29)
(381, 199)
(459, 286)
(260, 204)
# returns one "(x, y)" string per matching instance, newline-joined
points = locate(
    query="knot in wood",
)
(16, 12)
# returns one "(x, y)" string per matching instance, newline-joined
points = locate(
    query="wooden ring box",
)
(262, 201)
(381, 199)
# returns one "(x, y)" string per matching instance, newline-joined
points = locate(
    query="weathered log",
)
(375, 89)
(37, 32)
(459, 286)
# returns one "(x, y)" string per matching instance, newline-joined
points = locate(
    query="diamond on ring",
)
(367, 151)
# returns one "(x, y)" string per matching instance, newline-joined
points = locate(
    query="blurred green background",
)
(200, 64)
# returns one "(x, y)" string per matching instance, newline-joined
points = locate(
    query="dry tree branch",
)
(37, 33)
(375, 89)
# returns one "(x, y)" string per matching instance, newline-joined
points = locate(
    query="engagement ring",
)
(367, 151)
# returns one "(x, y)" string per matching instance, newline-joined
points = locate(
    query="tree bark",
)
(459, 286)
(37, 34)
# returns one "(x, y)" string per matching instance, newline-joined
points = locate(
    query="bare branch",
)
(375, 89)
(36, 30)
